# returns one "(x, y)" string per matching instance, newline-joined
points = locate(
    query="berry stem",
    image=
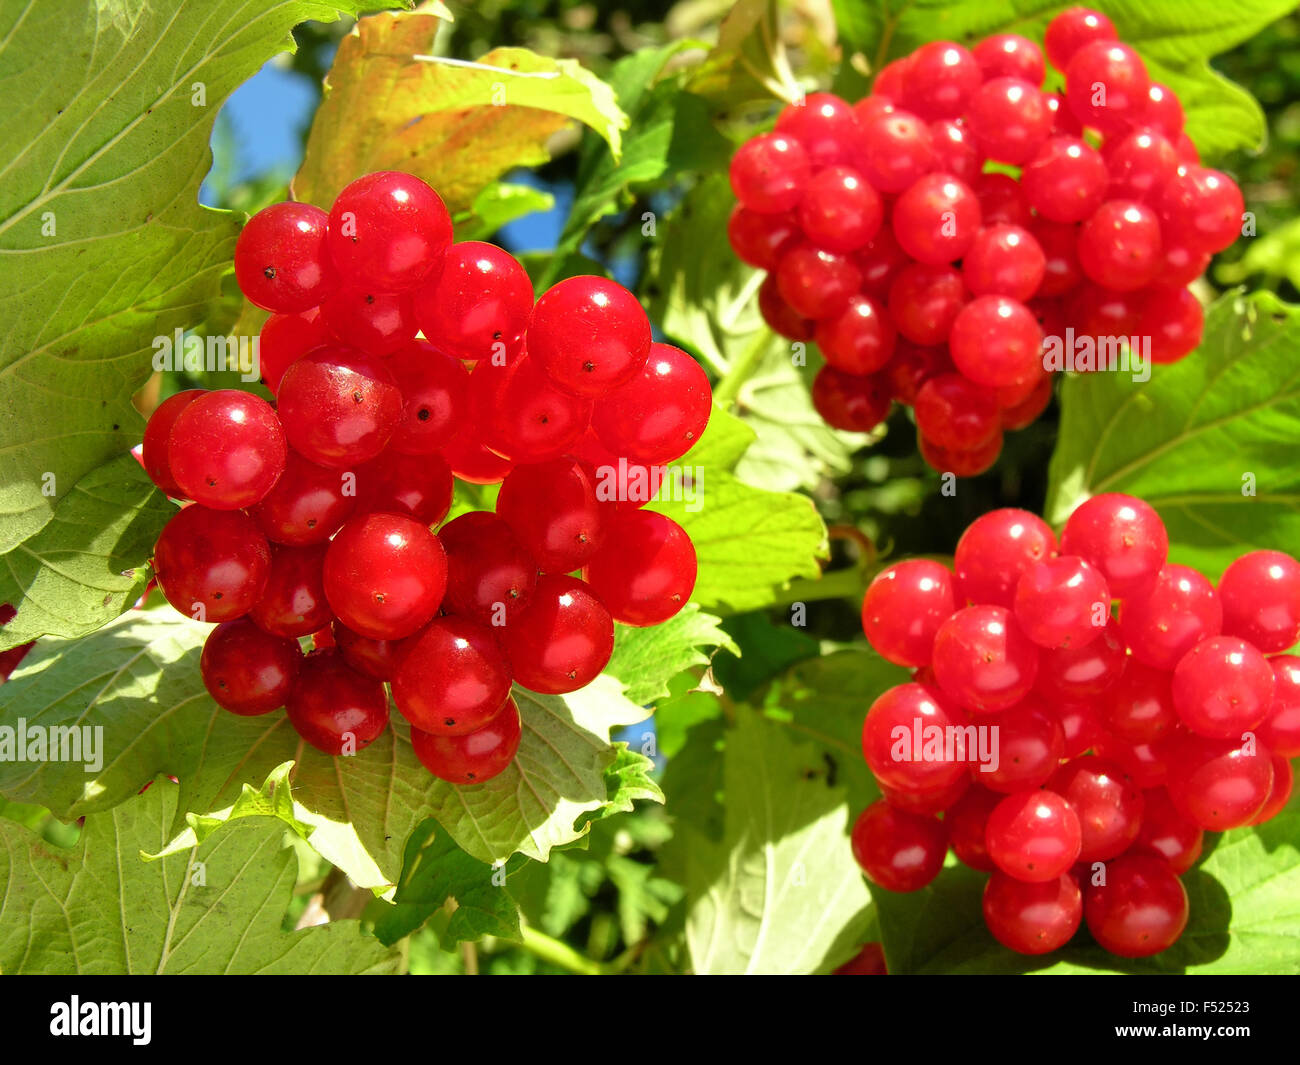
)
(728, 388)
(552, 950)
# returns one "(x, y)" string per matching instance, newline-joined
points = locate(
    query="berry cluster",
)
(895, 238)
(313, 516)
(1054, 733)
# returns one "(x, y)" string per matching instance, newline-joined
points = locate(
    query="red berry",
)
(335, 708)
(364, 317)
(156, 453)
(589, 335)
(1030, 746)
(1119, 245)
(211, 565)
(479, 305)
(996, 341)
(769, 173)
(1109, 806)
(823, 124)
(761, 239)
(385, 575)
(1140, 909)
(1166, 833)
(1065, 180)
(955, 150)
(1071, 30)
(475, 757)
(308, 504)
(1260, 593)
(1107, 85)
(898, 851)
(840, 211)
(936, 219)
(522, 414)
(284, 339)
(661, 413)
(995, 550)
(1082, 673)
(339, 407)
(562, 640)
(1008, 55)
(645, 573)
(1033, 918)
(894, 736)
(966, 821)
(1122, 536)
(1179, 611)
(1281, 729)
(248, 671)
(1004, 261)
(435, 397)
(1219, 784)
(1223, 687)
(226, 449)
(490, 576)
(1174, 320)
(955, 413)
(1033, 836)
(1062, 602)
(419, 486)
(983, 660)
(924, 301)
(904, 606)
(293, 603)
(389, 230)
(1201, 208)
(281, 263)
(552, 509)
(897, 148)
(1139, 706)
(1010, 119)
(453, 679)
(377, 659)
(850, 402)
(816, 283)
(961, 463)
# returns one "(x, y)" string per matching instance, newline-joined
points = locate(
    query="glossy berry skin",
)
(1280, 793)
(936, 218)
(1023, 414)
(823, 124)
(1033, 836)
(904, 606)
(1082, 727)
(961, 463)
(1010, 119)
(769, 173)
(869, 961)
(552, 509)
(954, 412)
(1260, 594)
(1062, 602)
(924, 301)
(1119, 245)
(378, 659)
(339, 407)
(1140, 166)
(780, 317)
(911, 366)
(1139, 706)
(1071, 30)
(156, 453)
(1219, 784)
(840, 211)
(385, 575)
(589, 335)
(926, 801)
(1174, 320)
(815, 283)
(1223, 687)
(1179, 611)
(898, 764)
(983, 660)
(996, 341)
(1109, 806)
(1140, 910)
(1147, 764)
(966, 821)
(248, 671)
(335, 708)
(1002, 201)
(646, 571)
(1121, 536)
(1032, 918)
(453, 679)
(851, 402)
(661, 413)
(1031, 744)
(627, 484)
(388, 230)
(306, 506)
(897, 150)
(940, 78)
(1061, 270)
(1004, 261)
(293, 603)
(1281, 729)
(490, 576)
(995, 550)
(211, 565)
(955, 151)
(226, 449)
(1167, 834)
(1065, 180)
(562, 640)
(898, 851)
(478, 305)
(761, 239)
(1202, 207)
(418, 486)
(472, 462)
(860, 339)
(1008, 55)
(522, 414)
(435, 395)
(284, 339)
(1120, 70)
(365, 318)
(879, 263)
(281, 262)
(475, 757)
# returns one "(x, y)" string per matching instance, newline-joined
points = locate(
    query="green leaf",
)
(708, 304)
(1245, 918)
(781, 893)
(824, 700)
(216, 908)
(749, 61)
(138, 679)
(1205, 441)
(87, 565)
(103, 245)
(1275, 255)
(390, 105)
(772, 649)
(645, 659)
(749, 542)
(498, 205)
(627, 779)
(671, 132)
(1174, 37)
(435, 870)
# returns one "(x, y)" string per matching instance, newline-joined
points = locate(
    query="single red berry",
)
(897, 148)
(1281, 729)
(661, 413)
(769, 173)
(1219, 784)
(1004, 261)
(1119, 245)
(816, 283)
(940, 78)
(955, 413)
(339, 407)
(490, 576)
(479, 305)
(850, 402)
(226, 449)
(970, 463)
(983, 660)
(955, 150)
(419, 486)
(995, 550)
(1065, 180)
(286, 338)
(894, 736)
(335, 708)
(1174, 320)
(435, 398)
(1139, 706)
(761, 239)
(293, 603)
(211, 565)
(1109, 806)
(1180, 610)
(1202, 208)
(552, 509)
(521, 413)
(898, 851)
(1062, 602)
(1034, 836)
(562, 640)
(1071, 30)
(385, 575)
(1139, 909)
(1166, 833)
(475, 757)
(840, 211)
(1122, 536)
(453, 679)
(996, 341)
(1107, 85)
(1008, 55)
(904, 606)
(1030, 746)
(1009, 118)
(281, 263)
(308, 504)
(156, 454)
(645, 573)
(1260, 593)
(248, 671)
(389, 230)
(1033, 918)
(369, 320)
(967, 821)
(924, 301)
(1223, 687)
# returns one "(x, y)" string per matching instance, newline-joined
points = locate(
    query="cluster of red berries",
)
(1055, 733)
(928, 278)
(314, 516)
